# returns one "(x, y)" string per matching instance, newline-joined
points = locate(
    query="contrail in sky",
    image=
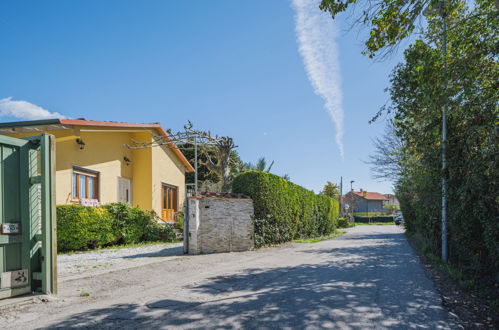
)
(25, 110)
(316, 33)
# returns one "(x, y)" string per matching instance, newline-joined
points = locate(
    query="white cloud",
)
(25, 110)
(316, 33)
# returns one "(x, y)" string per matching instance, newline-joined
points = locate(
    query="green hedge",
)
(285, 211)
(344, 223)
(82, 227)
(388, 218)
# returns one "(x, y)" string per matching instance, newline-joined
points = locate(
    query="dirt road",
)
(368, 278)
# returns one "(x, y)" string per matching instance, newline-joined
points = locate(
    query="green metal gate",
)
(27, 216)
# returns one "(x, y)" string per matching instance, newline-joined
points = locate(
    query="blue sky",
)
(232, 67)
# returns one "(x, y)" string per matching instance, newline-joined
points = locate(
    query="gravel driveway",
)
(92, 263)
(368, 278)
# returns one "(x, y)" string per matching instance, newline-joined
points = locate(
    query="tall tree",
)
(468, 87)
(331, 190)
(391, 21)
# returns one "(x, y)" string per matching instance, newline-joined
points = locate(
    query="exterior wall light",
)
(127, 160)
(81, 143)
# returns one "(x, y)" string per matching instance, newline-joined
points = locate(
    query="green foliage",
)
(467, 86)
(129, 223)
(319, 239)
(179, 221)
(285, 211)
(81, 227)
(344, 223)
(261, 165)
(331, 190)
(379, 219)
(155, 232)
(390, 21)
(391, 208)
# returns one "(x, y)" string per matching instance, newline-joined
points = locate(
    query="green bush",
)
(129, 223)
(82, 227)
(155, 232)
(285, 211)
(344, 223)
(388, 218)
(179, 222)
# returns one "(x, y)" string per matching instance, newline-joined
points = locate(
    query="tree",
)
(390, 21)
(261, 165)
(206, 177)
(387, 159)
(468, 87)
(391, 208)
(331, 190)
(218, 152)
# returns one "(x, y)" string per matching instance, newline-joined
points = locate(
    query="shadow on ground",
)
(166, 252)
(375, 284)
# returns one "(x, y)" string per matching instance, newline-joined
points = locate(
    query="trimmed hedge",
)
(388, 218)
(285, 211)
(83, 227)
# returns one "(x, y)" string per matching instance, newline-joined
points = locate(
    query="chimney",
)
(361, 190)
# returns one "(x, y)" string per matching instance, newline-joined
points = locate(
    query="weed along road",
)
(368, 278)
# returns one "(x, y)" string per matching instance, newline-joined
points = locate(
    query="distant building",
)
(392, 199)
(365, 201)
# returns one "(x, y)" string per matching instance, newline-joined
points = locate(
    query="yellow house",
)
(94, 164)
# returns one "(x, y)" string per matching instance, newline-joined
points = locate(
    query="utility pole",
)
(341, 196)
(195, 166)
(438, 7)
(444, 135)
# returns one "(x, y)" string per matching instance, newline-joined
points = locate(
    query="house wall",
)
(166, 169)
(375, 206)
(142, 173)
(104, 152)
(364, 205)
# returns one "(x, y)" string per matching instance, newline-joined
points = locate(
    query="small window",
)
(84, 184)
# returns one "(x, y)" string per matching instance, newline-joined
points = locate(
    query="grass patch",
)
(123, 246)
(454, 273)
(374, 223)
(319, 239)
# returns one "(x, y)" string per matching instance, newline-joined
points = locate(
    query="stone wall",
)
(220, 223)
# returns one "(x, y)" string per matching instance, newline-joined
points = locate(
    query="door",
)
(124, 190)
(27, 216)
(169, 200)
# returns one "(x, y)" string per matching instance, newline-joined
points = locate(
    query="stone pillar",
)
(193, 224)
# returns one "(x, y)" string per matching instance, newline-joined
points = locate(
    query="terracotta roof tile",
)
(371, 195)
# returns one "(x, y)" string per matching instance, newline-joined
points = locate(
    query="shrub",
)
(344, 223)
(129, 223)
(82, 227)
(285, 211)
(179, 222)
(374, 219)
(155, 232)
